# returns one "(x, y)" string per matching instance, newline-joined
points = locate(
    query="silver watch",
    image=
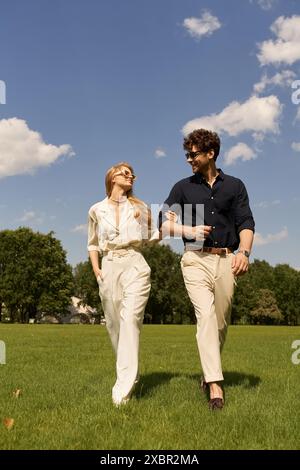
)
(245, 252)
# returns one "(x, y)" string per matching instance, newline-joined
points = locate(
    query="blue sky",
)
(90, 83)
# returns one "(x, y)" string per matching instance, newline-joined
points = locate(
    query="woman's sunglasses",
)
(126, 174)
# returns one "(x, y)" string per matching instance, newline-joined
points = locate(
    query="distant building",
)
(46, 318)
(79, 313)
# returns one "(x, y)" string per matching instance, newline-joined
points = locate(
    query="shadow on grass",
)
(239, 379)
(148, 382)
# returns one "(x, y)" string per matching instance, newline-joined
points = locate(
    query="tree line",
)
(36, 280)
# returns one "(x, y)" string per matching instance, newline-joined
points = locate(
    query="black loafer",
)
(216, 404)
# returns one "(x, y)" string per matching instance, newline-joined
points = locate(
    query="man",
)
(209, 266)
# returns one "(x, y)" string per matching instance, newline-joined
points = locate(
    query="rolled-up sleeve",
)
(93, 243)
(243, 215)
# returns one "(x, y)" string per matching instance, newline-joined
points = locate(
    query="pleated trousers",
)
(124, 291)
(210, 285)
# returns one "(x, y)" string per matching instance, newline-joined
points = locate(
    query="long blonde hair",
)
(141, 210)
(109, 182)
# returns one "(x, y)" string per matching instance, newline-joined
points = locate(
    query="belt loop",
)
(110, 255)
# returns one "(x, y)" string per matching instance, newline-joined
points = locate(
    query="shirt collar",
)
(200, 178)
(221, 174)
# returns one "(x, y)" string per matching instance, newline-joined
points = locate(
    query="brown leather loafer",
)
(216, 404)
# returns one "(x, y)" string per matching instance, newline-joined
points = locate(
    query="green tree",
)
(86, 286)
(287, 292)
(244, 300)
(34, 275)
(259, 276)
(168, 301)
(266, 310)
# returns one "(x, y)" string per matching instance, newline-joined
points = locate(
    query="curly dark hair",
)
(204, 140)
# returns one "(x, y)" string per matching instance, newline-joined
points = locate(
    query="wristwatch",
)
(245, 252)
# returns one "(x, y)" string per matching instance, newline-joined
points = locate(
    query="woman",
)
(118, 227)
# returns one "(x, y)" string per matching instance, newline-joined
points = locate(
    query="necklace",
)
(118, 202)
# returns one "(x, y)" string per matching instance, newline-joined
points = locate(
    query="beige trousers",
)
(124, 293)
(210, 285)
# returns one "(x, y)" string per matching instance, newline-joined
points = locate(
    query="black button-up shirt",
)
(226, 208)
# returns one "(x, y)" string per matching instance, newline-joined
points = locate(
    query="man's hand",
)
(240, 264)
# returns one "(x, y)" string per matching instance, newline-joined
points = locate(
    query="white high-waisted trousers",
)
(124, 292)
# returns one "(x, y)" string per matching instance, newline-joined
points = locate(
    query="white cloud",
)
(258, 136)
(159, 153)
(265, 4)
(284, 78)
(28, 215)
(267, 204)
(23, 150)
(203, 26)
(258, 114)
(240, 150)
(296, 146)
(259, 240)
(80, 228)
(31, 217)
(286, 48)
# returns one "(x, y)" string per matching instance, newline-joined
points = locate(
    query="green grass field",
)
(66, 372)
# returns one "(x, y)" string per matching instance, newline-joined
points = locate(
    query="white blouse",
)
(104, 235)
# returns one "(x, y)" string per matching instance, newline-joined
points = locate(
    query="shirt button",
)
(216, 243)
(212, 197)
(214, 226)
(213, 212)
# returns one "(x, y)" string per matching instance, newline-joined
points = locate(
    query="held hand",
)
(171, 216)
(200, 232)
(240, 264)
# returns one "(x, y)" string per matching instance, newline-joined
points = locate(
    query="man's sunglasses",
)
(193, 155)
(127, 174)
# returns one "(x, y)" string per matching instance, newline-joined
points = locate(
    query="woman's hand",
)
(98, 274)
(172, 216)
(200, 232)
